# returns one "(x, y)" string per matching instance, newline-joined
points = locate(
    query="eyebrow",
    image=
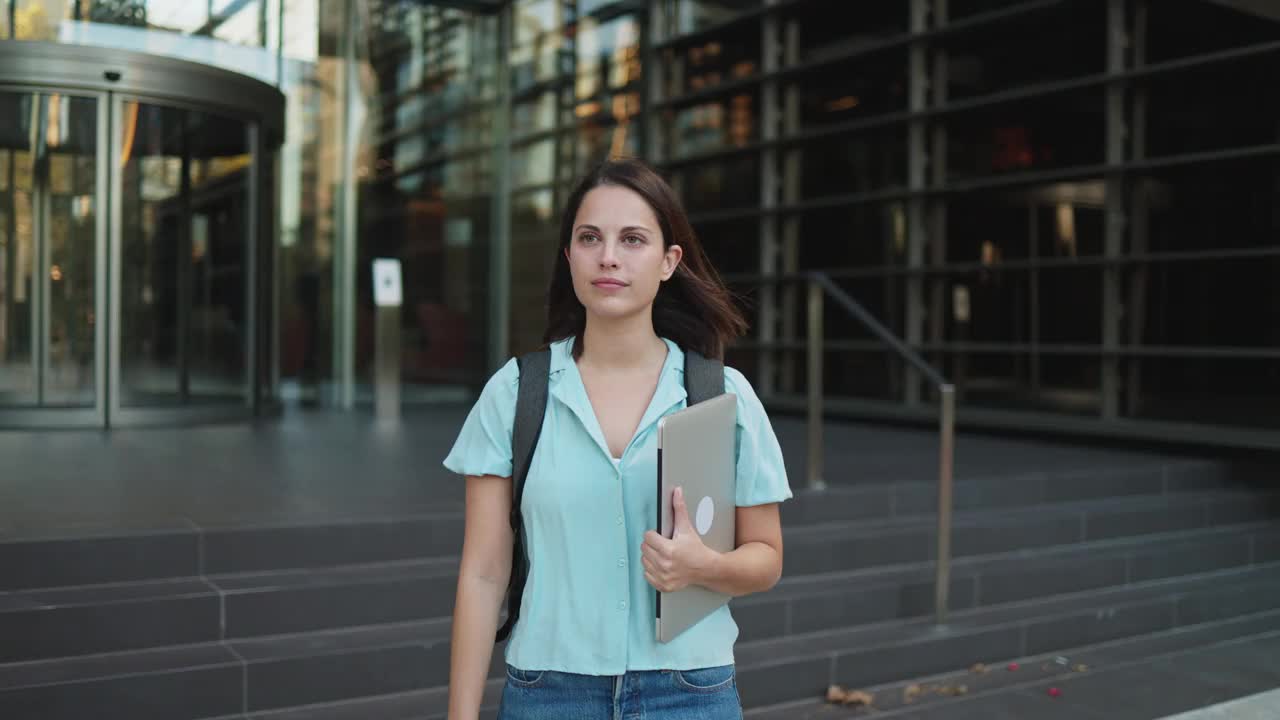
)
(625, 229)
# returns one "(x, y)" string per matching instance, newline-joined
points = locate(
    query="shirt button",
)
(622, 562)
(619, 519)
(622, 605)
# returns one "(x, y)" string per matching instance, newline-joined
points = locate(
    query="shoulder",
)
(735, 382)
(749, 405)
(503, 384)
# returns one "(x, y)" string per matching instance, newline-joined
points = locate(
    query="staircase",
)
(1134, 571)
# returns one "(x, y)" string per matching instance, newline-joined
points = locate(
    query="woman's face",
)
(616, 254)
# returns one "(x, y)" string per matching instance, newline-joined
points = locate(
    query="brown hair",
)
(693, 307)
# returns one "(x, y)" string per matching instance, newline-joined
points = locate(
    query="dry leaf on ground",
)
(838, 694)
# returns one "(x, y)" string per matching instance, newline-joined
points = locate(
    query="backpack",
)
(703, 380)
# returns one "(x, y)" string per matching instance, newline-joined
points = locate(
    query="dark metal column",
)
(1114, 232)
(917, 160)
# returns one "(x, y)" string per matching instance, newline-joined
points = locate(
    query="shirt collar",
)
(566, 385)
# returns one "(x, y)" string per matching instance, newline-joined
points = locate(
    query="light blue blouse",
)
(586, 607)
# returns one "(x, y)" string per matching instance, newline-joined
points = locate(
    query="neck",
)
(622, 344)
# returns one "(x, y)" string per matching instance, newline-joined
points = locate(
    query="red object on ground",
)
(1013, 667)
(1054, 692)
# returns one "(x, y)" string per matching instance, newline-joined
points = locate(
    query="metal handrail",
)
(821, 286)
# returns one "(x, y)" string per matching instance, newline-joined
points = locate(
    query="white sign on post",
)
(386, 282)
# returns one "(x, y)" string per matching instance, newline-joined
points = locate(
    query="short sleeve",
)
(761, 474)
(483, 446)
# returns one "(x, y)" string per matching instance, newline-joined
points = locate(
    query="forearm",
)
(475, 622)
(751, 568)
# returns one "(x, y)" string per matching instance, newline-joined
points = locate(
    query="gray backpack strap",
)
(703, 377)
(531, 407)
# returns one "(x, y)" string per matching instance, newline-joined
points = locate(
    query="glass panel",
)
(1067, 40)
(723, 123)
(866, 161)
(17, 249)
(430, 204)
(1179, 28)
(1207, 206)
(833, 29)
(1227, 302)
(70, 232)
(237, 21)
(48, 185)
(709, 187)
(856, 89)
(729, 56)
(858, 235)
(184, 230)
(1048, 132)
(1212, 107)
(608, 55)
(1057, 220)
(535, 224)
(957, 9)
(1235, 391)
(692, 15)
(1065, 384)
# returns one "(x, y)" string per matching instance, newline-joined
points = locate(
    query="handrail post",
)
(814, 469)
(946, 467)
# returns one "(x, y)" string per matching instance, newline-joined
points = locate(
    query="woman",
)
(631, 288)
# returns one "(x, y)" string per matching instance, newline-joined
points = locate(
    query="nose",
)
(609, 255)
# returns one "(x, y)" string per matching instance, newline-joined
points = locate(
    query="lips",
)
(608, 283)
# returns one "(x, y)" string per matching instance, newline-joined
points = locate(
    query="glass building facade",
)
(1068, 206)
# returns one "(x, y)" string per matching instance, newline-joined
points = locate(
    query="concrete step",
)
(250, 676)
(802, 666)
(830, 547)
(35, 561)
(69, 557)
(231, 678)
(809, 603)
(840, 503)
(59, 622)
(1213, 661)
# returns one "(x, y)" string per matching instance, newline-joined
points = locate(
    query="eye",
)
(634, 240)
(586, 238)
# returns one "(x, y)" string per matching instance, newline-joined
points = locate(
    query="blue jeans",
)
(703, 694)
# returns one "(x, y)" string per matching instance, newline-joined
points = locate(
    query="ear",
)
(671, 261)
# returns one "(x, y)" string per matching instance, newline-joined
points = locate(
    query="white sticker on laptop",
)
(706, 512)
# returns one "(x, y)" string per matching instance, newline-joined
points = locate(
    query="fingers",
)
(655, 583)
(680, 513)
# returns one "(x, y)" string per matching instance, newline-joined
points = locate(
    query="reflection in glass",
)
(692, 15)
(435, 216)
(48, 185)
(1048, 132)
(184, 244)
(1068, 41)
(69, 233)
(715, 125)
(17, 250)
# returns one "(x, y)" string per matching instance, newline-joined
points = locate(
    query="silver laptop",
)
(695, 452)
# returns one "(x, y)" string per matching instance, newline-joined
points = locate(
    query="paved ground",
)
(311, 463)
(1263, 706)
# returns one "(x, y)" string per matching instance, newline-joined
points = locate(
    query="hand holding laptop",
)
(674, 564)
(695, 518)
